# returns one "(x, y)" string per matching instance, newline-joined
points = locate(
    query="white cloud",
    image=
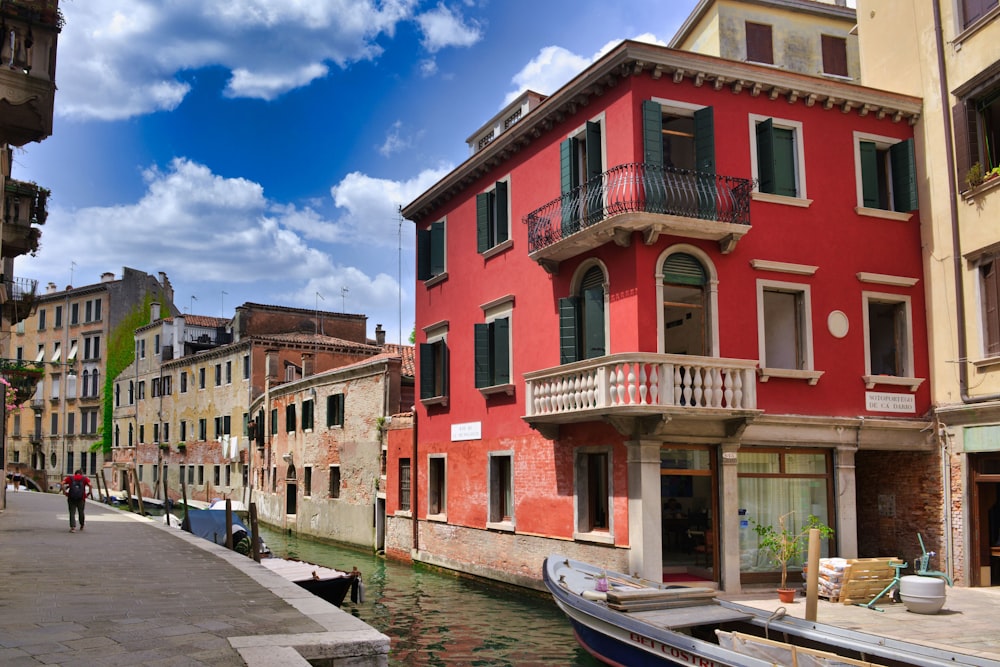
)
(428, 67)
(394, 140)
(442, 28)
(116, 64)
(554, 66)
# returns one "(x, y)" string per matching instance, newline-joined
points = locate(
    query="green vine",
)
(121, 354)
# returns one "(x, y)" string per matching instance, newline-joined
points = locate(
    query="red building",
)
(680, 295)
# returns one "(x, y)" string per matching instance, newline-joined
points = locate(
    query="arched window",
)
(94, 377)
(86, 384)
(131, 392)
(131, 434)
(582, 320)
(685, 306)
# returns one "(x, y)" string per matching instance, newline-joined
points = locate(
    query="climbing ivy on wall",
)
(121, 353)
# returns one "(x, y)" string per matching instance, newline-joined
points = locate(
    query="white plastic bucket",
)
(922, 595)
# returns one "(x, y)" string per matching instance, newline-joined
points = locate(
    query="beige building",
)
(948, 53)
(802, 36)
(70, 337)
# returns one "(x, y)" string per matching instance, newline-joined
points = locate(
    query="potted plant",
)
(784, 545)
(974, 177)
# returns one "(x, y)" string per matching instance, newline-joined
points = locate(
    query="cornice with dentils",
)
(636, 58)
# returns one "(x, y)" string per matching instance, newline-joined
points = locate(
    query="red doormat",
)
(682, 576)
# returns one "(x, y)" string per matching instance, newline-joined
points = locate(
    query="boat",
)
(623, 620)
(324, 582)
(327, 583)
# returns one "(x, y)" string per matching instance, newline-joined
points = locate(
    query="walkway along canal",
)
(436, 618)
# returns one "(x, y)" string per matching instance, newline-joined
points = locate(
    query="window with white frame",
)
(784, 330)
(583, 320)
(501, 491)
(777, 157)
(492, 217)
(834, 48)
(885, 173)
(759, 42)
(493, 347)
(434, 365)
(436, 486)
(888, 340)
(593, 493)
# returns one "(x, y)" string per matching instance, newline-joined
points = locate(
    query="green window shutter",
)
(424, 254)
(502, 218)
(483, 222)
(437, 248)
(765, 156)
(331, 409)
(704, 140)
(568, 178)
(341, 401)
(568, 348)
(442, 355)
(652, 133)
(427, 369)
(501, 351)
(594, 165)
(593, 315)
(683, 269)
(784, 162)
(904, 176)
(482, 351)
(869, 174)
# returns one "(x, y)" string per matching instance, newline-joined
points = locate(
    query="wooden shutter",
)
(966, 140)
(975, 9)
(904, 176)
(501, 218)
(592, 302)
(834, 55)
(765, 156)
(483, 222)
(759, 43)
(424, 254)
(594, 163)
(784, 162)
(569, 178)
(501, 350)
(437, 248)
(652, 133)
(568, 347)
(683, 269)
(990, 282)
(482, 355)
(869, 174)
(427, 368)
(704, 140)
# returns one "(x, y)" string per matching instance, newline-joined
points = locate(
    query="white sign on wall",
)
(881, 401)
(467, 431)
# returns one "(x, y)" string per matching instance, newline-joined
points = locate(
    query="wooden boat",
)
(623, 620)
(327, 583)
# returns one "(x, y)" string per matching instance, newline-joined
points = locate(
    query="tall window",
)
(888, 173)
(887, 327)
(973, 10)
(58, 317)
(581, 167)
(501, 489)
(434, 369)
(229, 372)
(492, 221)
(593, 491)
(404, 485)
(307, 414)
(686, 316)
(778, 156)
(218, 375)
(760, 47)
(436, 488)
(834, 55)
(334, 410)
(582, 320)
(989, 285)
(976, 118)
(201, 378)
(784, 325)
(431, 255)
(493, 346)
(290, 418)
(184, 382)
(334, 481)
(307, 480)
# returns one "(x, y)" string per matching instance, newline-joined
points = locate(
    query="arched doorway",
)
(686, 326)
(290, 490)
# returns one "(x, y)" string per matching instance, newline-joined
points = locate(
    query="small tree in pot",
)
(784, 544)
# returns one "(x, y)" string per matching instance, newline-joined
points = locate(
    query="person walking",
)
(76, 487)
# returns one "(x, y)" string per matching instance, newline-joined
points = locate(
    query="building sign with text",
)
(881, 401)
(467, 431)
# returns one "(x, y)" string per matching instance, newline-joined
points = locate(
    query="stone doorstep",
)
(299, 650)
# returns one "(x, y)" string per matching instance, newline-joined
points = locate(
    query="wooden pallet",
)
(864, 578)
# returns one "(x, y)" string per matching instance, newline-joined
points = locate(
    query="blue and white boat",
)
(626, 621)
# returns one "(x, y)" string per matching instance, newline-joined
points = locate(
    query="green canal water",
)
(436, 618)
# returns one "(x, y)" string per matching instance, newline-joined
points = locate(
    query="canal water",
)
(435, 618)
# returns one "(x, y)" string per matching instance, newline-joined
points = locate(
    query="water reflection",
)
(440, 619)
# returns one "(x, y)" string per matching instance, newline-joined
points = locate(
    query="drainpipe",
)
(413, 486)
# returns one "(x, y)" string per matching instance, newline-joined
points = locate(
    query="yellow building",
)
(948, 53)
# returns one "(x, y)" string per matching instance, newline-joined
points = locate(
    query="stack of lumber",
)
(648, 599)
(855, 580)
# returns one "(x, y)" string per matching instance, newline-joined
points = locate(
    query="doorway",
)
(290, 491)
(689, 511)
(985, 533)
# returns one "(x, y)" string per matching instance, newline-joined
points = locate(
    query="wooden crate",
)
(864, 578)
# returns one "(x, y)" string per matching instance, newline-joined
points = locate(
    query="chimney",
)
(107, 277)
(154, 311)
(379, 335)
(307, 364)
(271, 357)
(50, 288)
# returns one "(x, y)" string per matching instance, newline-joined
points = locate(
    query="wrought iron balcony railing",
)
(641, 188)
(18, 299)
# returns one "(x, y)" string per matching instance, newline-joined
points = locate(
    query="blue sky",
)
(259, 150)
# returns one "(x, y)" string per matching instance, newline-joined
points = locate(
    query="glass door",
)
(688, 497)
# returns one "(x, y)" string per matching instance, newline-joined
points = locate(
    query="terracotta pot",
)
(786, 594)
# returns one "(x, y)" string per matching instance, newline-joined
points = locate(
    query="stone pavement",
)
(968, 623)
(131, 591)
